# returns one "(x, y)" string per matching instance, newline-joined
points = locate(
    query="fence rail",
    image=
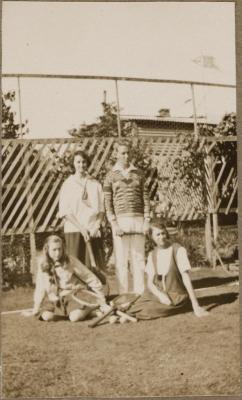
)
(117, 78)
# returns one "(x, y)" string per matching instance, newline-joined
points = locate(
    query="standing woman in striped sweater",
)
(128, 209)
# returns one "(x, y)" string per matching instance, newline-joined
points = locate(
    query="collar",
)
(118, 167)
(81, 180)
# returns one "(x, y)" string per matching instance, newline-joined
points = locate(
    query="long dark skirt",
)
(76, 247)
(148, 306)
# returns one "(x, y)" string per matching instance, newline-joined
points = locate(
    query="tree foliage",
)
(10, 129)
(189, 166)
(226, 150)
(106, 125)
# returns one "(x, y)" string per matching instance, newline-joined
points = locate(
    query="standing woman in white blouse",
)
(81, 204)
(169, 284)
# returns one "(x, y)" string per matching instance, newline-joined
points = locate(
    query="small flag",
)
(206, 62)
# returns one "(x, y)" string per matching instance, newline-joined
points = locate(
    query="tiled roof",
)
(185, 120)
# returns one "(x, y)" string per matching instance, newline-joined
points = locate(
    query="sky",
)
(147, 40)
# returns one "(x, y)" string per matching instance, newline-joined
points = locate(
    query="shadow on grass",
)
(213, 281)
(211, 302)
(57, 318)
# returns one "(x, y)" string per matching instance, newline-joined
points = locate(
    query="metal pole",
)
(20, 108)
(118, 109)
(194, 110)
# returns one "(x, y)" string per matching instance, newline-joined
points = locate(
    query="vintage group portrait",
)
(120, 214)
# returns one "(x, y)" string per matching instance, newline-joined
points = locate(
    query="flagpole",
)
(118, 109)
(194, 111)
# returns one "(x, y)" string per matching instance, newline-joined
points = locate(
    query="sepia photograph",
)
(120, 238)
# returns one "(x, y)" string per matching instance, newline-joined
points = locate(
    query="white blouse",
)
(83, 198)
(164, 259)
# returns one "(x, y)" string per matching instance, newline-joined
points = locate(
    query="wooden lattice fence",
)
(33, 171)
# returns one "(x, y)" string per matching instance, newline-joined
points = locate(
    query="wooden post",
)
(208, 227)
(31, 228)
(208, 239)
(215, 214)
(215, 227)
(194, 110)
(118, 109)
(214, 195)
(33, 253)
(215, 236)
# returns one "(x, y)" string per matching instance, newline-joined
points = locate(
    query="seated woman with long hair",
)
(59, 282)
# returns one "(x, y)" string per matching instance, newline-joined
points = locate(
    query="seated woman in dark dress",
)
(169, 284)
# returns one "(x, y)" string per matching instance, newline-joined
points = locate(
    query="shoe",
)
(123, 320)
(113, 319)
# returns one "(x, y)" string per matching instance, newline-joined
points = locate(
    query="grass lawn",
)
(179, 355)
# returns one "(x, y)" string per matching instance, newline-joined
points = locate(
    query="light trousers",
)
(130, 248)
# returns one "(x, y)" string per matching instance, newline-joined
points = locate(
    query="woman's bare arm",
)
(198, 310)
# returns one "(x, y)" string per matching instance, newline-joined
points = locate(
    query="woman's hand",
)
(53, 297)
(146, 227)
(104, 308)
(95, 232)
(85, 234)
(78, 286)
(200, 312)
(29, 313)
(117, 231)
(164, 299)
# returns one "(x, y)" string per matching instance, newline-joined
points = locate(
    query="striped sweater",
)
(126, 195)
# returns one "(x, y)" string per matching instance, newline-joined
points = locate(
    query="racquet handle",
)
(133, 233)
(91, 255)
(96, 270)
(99, 319)
(126, 316)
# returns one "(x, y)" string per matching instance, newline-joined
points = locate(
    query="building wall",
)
(166, 132)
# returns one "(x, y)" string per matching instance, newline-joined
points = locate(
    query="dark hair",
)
(83, 155)
(121, 142)
(156, 223)
(47, 263)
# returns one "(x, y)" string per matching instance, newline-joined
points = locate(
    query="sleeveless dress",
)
(148, 306)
